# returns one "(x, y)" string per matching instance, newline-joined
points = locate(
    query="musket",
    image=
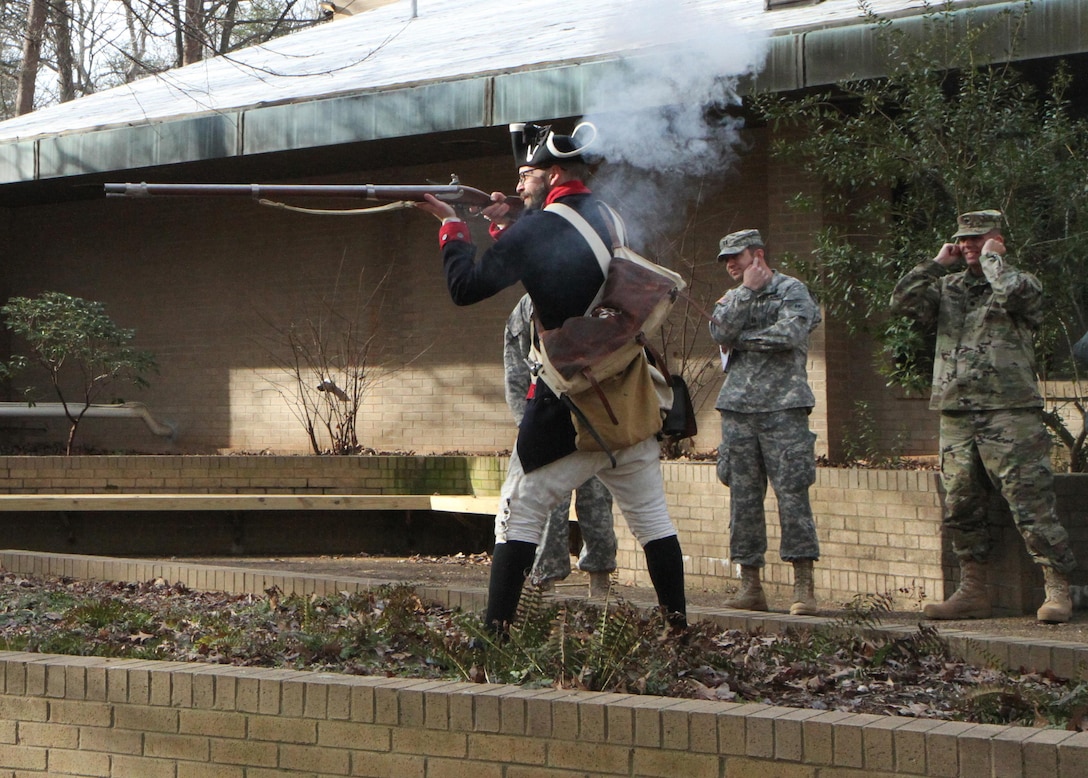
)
(454, 193)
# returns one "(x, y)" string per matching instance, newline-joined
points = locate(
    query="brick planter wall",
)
(90, 716)
(251, 474)
(84, 716)
(880, 530)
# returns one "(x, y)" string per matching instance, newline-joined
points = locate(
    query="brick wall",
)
(87, 716)
(879, 533)
(212, 286)
(879, 530)
(463, 475)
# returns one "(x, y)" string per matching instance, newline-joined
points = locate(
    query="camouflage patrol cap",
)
(978, 223)
(736, 242)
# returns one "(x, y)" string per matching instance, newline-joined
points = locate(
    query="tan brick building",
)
(212, 285)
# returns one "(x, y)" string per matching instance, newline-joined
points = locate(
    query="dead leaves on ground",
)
(391, 632)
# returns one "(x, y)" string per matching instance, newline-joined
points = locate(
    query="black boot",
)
(510, 564)
(665, 563)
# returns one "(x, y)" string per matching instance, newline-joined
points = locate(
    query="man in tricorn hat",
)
(992, 432)
(762, 327)
(559, 270)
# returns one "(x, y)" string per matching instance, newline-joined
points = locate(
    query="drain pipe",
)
(131, 410)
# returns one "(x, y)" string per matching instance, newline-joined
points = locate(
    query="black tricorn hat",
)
(536, 145)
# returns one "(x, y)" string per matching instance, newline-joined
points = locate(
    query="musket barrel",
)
(450, 192)
(455, 194)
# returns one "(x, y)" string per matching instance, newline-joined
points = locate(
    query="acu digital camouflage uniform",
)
(984, 385)
(592, 500)
(1080, 350)
(764, 403)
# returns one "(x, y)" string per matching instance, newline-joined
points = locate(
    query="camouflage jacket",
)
(766, 336)
(1080, 350)
(517, 341)
(985, 356)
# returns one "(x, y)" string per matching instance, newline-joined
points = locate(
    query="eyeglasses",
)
(525, 176)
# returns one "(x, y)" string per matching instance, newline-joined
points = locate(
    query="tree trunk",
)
(229, 19)
(193, 32)
(137, 37)
(32, 55)
(179, 33)
(62, 37)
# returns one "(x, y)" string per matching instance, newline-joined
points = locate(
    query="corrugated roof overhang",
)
(796, 60)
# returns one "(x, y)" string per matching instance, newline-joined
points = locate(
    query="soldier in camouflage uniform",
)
(592, 500)
(992, 433)
(1080, 350)
(763, 327)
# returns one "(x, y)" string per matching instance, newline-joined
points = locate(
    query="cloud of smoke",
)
(663, 118)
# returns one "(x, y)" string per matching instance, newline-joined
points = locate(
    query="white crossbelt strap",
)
(600, 250)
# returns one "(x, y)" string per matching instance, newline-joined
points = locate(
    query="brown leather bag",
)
(578, 357)
(628, 408)
(604, 342)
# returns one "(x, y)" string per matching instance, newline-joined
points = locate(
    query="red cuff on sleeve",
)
(453, 231)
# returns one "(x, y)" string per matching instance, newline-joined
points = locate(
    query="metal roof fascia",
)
(816, 57)
(202, 137)
(18, 161)
(783, 70)
(1050, 29)
(387, 113)
(563, 90)
(573, 90)
(1056, 28)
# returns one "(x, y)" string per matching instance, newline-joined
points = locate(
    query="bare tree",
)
(58, 50)
(60, 20)
(209, 28)
(328, 360)
(138, 35)
(12, 27)
(192, 49)
(32, 54)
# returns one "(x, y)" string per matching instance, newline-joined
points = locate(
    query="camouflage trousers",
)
(1006, 451)
(593, 507)
(779, 447)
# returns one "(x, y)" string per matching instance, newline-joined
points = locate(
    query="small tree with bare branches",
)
(330, 362)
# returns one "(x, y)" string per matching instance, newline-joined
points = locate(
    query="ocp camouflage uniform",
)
(764, 402)
(984, 385)
(592, 500)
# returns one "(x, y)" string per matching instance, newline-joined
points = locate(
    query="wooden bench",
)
(249, 502)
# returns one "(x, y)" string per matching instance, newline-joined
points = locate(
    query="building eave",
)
(801, 58)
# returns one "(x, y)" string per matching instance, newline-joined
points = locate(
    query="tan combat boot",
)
(804, 589)
(600, 584)
(970, 601)
(1058, 607)
(750, 597)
